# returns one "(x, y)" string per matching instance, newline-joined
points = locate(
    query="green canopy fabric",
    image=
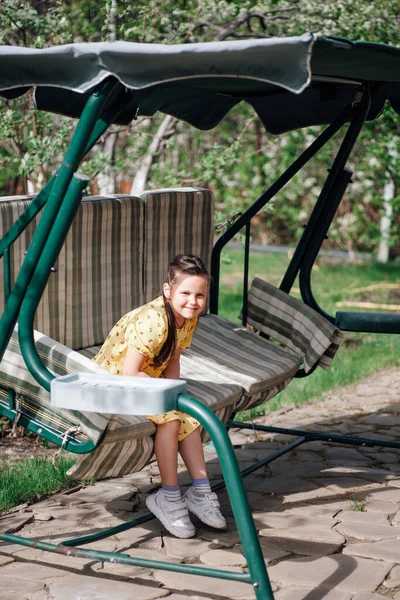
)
(291, 82)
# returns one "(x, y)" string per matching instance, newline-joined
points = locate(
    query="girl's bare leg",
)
(166, 450)
(191, 450)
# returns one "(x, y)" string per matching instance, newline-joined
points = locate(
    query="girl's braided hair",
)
(186, 264)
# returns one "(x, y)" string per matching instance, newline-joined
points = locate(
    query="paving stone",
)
(384, 493)
(13, 523)
(186, 549)
(356, 516)
(300, 547)
(368, 473)
(385, 457)
(42, 516)
(369, 596)
(395, 482)
(40, 572)
(277, 485)
(296, 593)
(344, 485)
(397, 596)
(297, 469)
(367, 531)
(98, 588)
(50, 559)
(231, 558)
(381, 419)
(319, 493)
(307, 456)
(386, 550)
(348, 454)
(21, 587)
(393, 581)
(383, 506)
(5, 560)
(396, 518)
(317, 531)
(186, 597)
(235, 590)
(344, 573)
(269, 551)
(324, 508)
(290, 520)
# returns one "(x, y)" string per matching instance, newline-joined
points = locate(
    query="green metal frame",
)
(60, 199)
(257, 576)
(301, 264)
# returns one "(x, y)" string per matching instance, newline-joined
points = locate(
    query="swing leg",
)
(236, 492)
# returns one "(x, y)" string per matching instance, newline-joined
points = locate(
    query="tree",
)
(237, 159)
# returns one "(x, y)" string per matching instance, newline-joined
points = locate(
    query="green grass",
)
(32, 478)
(333, 282)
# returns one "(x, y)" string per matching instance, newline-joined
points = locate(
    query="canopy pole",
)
(303, 159)
(78, 146)
(309, 245)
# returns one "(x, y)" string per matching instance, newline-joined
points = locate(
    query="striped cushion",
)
(128, 446)
(235, 354)
(292, 323)
(95, 282)
(177, 221)
(34, 400)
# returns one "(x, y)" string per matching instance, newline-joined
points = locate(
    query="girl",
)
(147, 342)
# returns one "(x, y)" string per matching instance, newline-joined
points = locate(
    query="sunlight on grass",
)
(32, 478)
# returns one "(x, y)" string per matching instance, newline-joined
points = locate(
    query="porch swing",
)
(291, 83)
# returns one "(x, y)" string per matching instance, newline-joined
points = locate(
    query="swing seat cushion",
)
(34, 401)
(234, 353)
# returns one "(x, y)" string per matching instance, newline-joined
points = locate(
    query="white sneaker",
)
(205, 507)
(173, 515)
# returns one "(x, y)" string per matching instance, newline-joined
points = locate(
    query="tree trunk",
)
(140, 181)
(386, 220)
(106, 179)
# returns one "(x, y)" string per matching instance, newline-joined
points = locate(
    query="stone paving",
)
(328, 518)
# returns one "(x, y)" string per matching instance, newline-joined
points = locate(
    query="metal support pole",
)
(236, 493)
(41, 275)
(74, 154)
(303, 159)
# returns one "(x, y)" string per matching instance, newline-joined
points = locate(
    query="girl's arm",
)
(133, 363)
(172, 370)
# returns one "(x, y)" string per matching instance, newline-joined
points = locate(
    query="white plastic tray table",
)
(115, 394)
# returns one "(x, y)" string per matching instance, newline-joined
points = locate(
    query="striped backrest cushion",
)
(35, 400)
(98, 274)
(102, 258)
(293, 324)
(177, 221)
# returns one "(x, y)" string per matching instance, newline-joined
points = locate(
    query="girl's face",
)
(187, 296)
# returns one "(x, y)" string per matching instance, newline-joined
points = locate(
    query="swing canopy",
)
(290, 82)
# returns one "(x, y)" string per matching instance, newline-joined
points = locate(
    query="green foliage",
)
(237, 159)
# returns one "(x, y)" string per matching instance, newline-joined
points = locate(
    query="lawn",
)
(337, 285)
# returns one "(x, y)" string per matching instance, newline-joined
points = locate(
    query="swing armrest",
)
(293, 324)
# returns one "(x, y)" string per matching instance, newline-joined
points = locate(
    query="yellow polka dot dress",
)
(145, 330)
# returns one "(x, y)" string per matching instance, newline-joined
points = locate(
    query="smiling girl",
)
(147, 342)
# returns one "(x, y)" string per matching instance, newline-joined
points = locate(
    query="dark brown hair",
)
(187, 264)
